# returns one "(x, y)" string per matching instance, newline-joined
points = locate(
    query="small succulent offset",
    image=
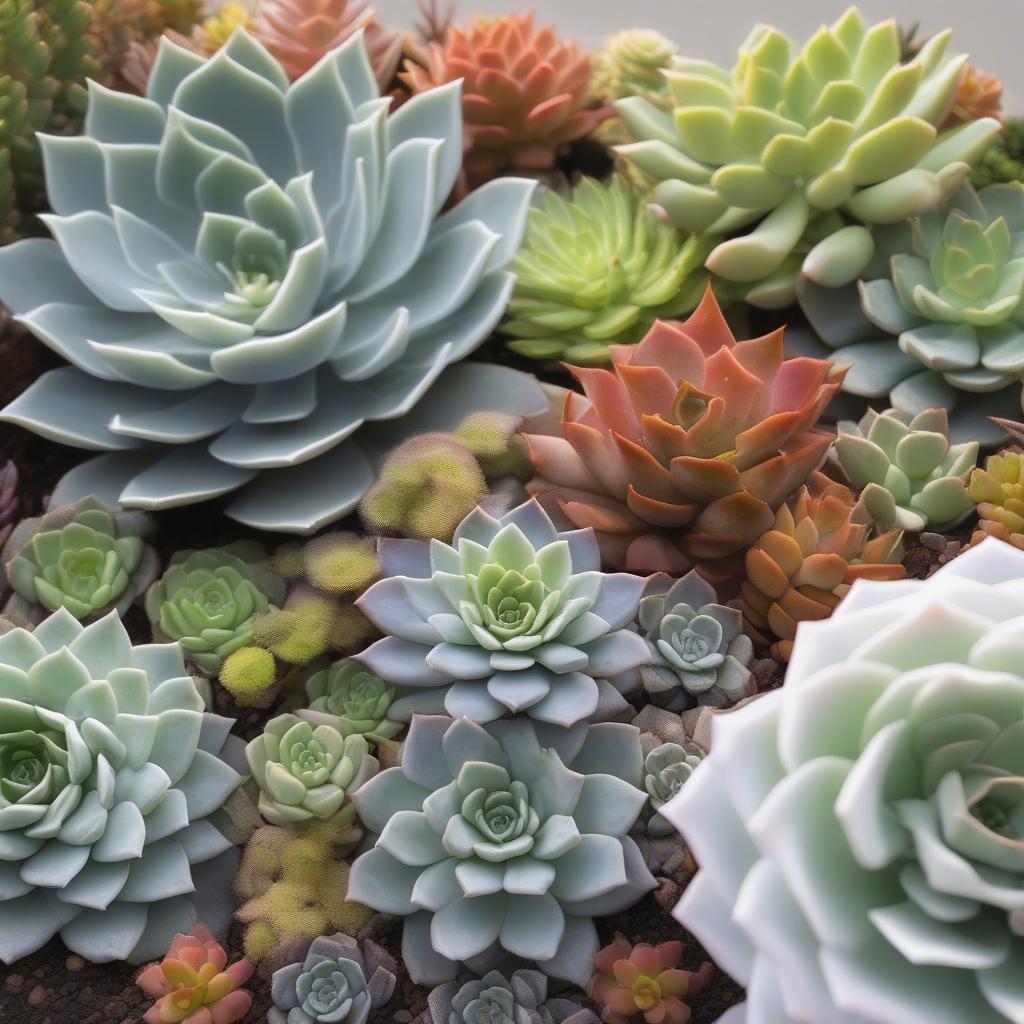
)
(859, 830)
(194, 984)
(518, 998)
(1004, 160)
(800, 157)
(352, 700)
(112, 783)
(597, 268)
(336, 983)
(909, 475)
(306, 772)
(206, 601)
(698, 652)
(511, 617)
(240, 296)
(83, 557)
(632, 63)
(684, 450)
(667, 769)
(643, 979)
(511, 837)
(998, 491)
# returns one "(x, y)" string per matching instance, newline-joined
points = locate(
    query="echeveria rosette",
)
(667, 768)
(859, 830)
(83, 557)
(510, 837)
(353, 700)
(207, 600)
(305, 771)
(936, 320)
(800, 157)
(519, 997)
(240, 294)
(511, 617)
(698, 651)
(113, 777)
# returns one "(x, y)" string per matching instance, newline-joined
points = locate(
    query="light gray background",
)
(991, 31)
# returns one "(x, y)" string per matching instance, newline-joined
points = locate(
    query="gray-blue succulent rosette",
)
(245, 273)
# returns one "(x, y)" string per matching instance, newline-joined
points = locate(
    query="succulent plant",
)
(306, 771)
(206, 600)
(216, 29)
(249, 315)
(632, 63)
(667, 768)
(934, 321)
(83, 557)
(511, 617)
(194, 984)
(799, 570)
(300, 32)
(495, 442)
(10, 500)
(1002, 161)
(684, 450)
(643, 979)
(698, 652)
(909, 475)
(596, 269)
(978, 95)
(525, 92)
(113, 780)
(998, 491)
(521, 997)
(352, 700)
(857, 829)
(337, 983)
(511, 837)
(799, 157)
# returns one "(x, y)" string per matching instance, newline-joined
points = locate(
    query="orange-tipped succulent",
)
(979, 94)
(194, 985)
(804, 566)
(682, 452)
(525, 92)
(299, 32)
(643, 979)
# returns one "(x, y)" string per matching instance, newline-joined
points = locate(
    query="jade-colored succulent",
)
(506, 838)
(519, 997)
(511, 617)
(937, 320)
(667, 768)
(597, 268)
(632, 63)
(353, 700)
(83, 557)
(306, 771)
(112, 779)
(909, 475)
(797, 156)
(1004, 160)
(206, 600)
(240, 296)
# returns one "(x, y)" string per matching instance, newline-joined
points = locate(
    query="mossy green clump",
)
(247, 674)
(495, 443)
(1004, 161)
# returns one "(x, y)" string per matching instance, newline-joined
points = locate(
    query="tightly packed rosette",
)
(511, 617)
(859, 831)
(510, 837)
(353, 700)
(244, 272)
(112, 779)
(683, 451)
(519, 998)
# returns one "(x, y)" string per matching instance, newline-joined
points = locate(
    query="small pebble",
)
(74, 963)
(15, 981)
(403, 1017)
(37, 996)
(934, 541)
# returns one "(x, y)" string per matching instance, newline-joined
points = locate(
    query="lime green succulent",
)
(82, 557)
(631, 64)
(597, 268)
(352, 700)
(797, 158)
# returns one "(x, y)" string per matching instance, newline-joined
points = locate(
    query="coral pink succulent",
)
(682, 452)
(643, 979)
(192, 985)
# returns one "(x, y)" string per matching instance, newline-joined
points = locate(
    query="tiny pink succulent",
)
(193, 985)
(643, 979)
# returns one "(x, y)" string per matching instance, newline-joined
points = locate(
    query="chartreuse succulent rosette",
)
(353, 700)
(937, 320)
(798, 155)
(244, 272)
(511, 837)
(112, 778)
(860, 830)
(511, 617)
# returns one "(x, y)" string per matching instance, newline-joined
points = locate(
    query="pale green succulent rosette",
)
(505, 838)
(632, 63)
(352, 700)
(246, 272)
(937, 319)
(800, 157)
(306, 772)
(84, 557)
(909, 475)
(597, 268)
(112, 778)
(667, 769)
(207, 600)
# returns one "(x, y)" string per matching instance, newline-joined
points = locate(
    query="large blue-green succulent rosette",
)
(244, 273)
